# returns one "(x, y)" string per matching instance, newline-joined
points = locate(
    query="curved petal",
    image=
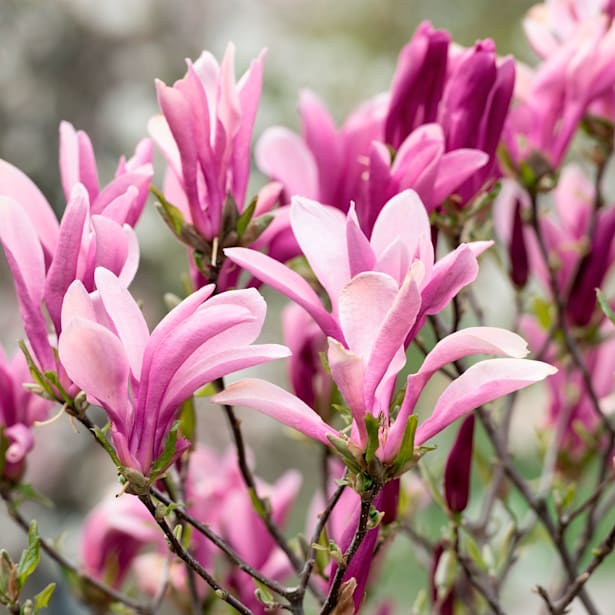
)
(278, 404)
(18, 186)
(287, 282)
(77, 161)
(321, 233)
(95, 361)
(282, 155)
(126, 317)
(479, 385)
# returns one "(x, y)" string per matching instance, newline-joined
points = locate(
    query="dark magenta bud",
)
(458, 467)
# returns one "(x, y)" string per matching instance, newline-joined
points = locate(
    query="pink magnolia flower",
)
(95, 230)
(399, 255)
(113, 534)
(380, 291)
(19, 409)
(205, 134)
(467, 92)
(551, 102)
(107, 351)
(324, 163)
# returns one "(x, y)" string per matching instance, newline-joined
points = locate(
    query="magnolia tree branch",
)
(68, 566)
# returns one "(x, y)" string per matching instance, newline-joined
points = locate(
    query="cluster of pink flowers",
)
(361, 228)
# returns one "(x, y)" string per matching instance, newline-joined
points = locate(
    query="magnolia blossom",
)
(466, 91)
(96, 230)
(19, 409)
(380, 292)
(205, 133)
(107, 351)
(551, 101)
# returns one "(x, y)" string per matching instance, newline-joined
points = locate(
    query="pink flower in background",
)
(120, 535)
(107, 351)
(466, 91)
(325, 163)
(19, 409)
(551, 101)
(205, 133)
(582, 251)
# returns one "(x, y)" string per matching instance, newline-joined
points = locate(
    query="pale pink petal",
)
(403, 218)
(126, 317)
(347, 373)
(360, 254)
(392, 331)
(363, 305)
(287, 282)
(160, 132)
(77, 303)
(480, 384)
(278, 404)
(321, 233)
(18, 186)
(96, 362)
(473, 340)
(282, 155)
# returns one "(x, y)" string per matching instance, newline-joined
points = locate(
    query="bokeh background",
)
(94, 63)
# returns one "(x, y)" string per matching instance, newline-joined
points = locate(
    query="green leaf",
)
(430, 482)
(168, 452)
(41, 600)
(406, 449)
(31, 555)
(187, 420)
(101, 437)
(341, 447)
(244, 219)
(170, 213)
(372, 425)
(604, 306)
(207, 391)
(262, 593)
(35, 372)
(28, 492)
(474, 551)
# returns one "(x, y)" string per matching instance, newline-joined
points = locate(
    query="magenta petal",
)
(455, 168)
(126, 317)
(77, 161)
(63, 268)
(480, 384)
(278, 404)
(287, 282)
(26, 262)
(18, 186)
(20, 440)
(96, 362)
(281, 155)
